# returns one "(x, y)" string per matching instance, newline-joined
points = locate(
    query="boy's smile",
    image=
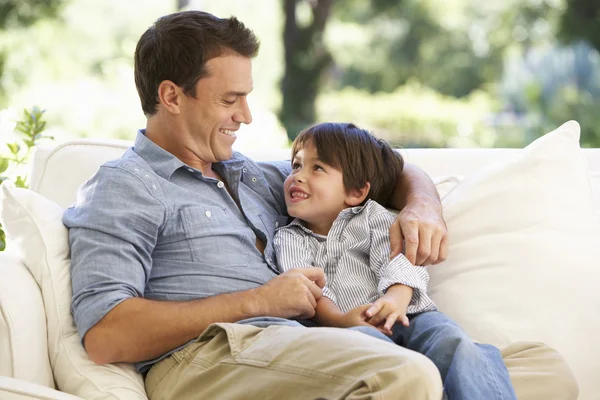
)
(297, 194)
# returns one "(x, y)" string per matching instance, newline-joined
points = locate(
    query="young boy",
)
(334, 191)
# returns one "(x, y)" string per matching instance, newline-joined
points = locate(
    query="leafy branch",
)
(30, 129)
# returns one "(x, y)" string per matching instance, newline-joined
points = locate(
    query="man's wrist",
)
(255, 304)
(421, 199)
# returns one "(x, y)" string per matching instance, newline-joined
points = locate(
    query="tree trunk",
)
(306, 57)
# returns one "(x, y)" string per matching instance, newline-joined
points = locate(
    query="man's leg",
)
(234, 361)
(469, 370)
(539, 372)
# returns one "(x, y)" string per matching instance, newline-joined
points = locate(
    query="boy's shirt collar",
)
(346, 213)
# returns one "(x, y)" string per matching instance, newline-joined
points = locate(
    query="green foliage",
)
(554, 85)
(581, 21)
(22, 13)
(29, 129)
(454, 49)
(26, 12)
(414, 116)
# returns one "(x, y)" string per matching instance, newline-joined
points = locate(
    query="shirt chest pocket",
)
(213, 236)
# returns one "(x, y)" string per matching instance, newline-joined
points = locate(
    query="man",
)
(173, 266)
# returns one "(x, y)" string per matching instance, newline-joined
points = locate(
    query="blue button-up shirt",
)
(147, 225)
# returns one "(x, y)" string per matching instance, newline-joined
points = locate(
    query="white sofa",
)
(38, 362)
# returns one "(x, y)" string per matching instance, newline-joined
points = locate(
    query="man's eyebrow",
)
(234, 93)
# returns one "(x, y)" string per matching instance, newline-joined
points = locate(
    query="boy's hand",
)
(354, 317)
(390, 308)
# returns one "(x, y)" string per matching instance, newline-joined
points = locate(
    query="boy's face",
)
(314, 191)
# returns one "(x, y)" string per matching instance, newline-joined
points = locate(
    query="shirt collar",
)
(344, 214)
(165, 163)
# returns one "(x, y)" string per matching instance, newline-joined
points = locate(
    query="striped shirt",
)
(355, 258)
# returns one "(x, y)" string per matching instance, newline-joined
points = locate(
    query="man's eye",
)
(228, 102)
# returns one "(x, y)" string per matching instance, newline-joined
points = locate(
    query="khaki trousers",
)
(231, 361)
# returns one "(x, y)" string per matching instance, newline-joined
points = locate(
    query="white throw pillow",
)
(524, 254)
(34, 225)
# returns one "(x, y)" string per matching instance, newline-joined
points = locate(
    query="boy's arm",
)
(328, 314)
(420, 222)
(397, 270)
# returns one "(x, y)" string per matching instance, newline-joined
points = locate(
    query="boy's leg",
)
(539, 372)
(469, 370)
(234, 361)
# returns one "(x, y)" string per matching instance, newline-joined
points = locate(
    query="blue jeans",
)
(469, 370)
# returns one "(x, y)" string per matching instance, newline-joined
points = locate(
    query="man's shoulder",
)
(265, 166)
(130, 167)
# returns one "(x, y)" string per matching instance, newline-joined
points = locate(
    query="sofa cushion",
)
(34, 225)
(23, 339)
(523, 254)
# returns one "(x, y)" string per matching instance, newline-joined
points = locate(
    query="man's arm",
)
(420, 222)
(113, 230)
(138, 329)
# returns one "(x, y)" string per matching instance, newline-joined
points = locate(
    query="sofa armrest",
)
(23, 337)
(16, 389)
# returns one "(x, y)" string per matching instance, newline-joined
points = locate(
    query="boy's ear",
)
(357, 196)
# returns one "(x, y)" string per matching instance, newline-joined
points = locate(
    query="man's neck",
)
(167, 135)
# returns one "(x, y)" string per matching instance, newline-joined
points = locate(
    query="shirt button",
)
(208, 214)
(276, 224)
(244, 169)
(191, 170)
(220, 185)
(253, 179)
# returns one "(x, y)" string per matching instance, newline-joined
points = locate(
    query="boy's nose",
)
(299, 178)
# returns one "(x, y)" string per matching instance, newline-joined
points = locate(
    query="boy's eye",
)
(296, 165)
(318, 168)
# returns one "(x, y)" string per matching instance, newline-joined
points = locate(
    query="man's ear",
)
(356, 196)
(169, 95)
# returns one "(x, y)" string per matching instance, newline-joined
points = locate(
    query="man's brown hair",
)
(177, 47)
(358, 154)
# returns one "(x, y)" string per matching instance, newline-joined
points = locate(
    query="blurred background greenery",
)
(426, 73)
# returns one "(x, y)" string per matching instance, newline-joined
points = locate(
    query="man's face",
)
(212, 118)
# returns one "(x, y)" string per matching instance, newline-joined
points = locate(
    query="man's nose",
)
(243, 114)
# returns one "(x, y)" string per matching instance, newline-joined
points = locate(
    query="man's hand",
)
(293, 294)
(421, 226)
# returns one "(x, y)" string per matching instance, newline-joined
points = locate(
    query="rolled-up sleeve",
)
(398, 270)
(113, 228)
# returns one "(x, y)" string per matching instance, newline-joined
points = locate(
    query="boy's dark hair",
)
(177, 48)
(358, 154)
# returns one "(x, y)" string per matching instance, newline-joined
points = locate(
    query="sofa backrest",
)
(59, 171)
